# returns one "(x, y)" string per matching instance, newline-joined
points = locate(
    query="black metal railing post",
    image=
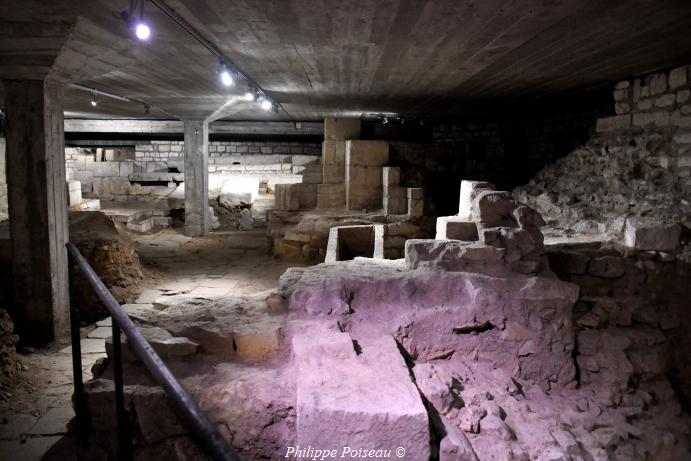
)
(80, 407)
(202, 430)
(124, 437)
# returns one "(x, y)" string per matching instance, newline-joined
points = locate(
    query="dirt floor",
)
(36, 407)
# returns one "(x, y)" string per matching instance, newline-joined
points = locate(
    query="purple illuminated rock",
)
(343, 396)
(651, 234)
(493, 208)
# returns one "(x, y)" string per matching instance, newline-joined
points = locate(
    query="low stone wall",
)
(122, 171)
(305, 235)
(631, 316)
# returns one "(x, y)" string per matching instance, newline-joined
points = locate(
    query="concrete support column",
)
(37, 208)
(196, 177)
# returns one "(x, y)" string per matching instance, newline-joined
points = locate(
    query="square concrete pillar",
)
(196, 177)
(37, 196)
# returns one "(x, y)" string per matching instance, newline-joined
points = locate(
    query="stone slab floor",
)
(34, 414)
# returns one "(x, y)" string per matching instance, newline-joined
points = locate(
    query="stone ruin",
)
(110, 253)
(354, 185)
(483, 346)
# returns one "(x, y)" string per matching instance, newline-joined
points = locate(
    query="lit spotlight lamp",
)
(93, 99)
(266, 104)
(250, 94)
(226, 74)
(135, 22)
(142, 30)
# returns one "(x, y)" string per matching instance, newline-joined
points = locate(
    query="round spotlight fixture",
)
(93, 101)
(142, 31)
(266, 104)
(226, 75)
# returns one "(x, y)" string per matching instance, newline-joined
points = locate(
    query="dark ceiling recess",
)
(426, 60)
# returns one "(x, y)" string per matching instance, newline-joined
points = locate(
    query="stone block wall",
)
(111, 171)
(363, 173)
(660, 100)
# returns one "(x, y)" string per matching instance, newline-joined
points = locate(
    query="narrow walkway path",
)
(35, 413)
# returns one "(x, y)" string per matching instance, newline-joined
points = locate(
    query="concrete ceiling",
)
(428, 59)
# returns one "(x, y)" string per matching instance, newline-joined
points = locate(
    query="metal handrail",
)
(203, 431)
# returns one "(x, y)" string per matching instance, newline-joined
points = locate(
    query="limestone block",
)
(373, 176)
(106, 169)
(125, 168)
(493, 208)
(454, 256)
(101, 186)
(651, 234)
(395, 192)
(395, 205)
(415, 193)
(658, 83)
(456, 228)
(287, 197)
(74, 189)
(304, 159)
(416, 208)
(333, 152)
(367, 153)
(341, 128)
(353, 393)
(356, 175)
(312, 174)
(615, 122)
(470, 190)
(678, 77)
(359, 197)
(334, 173)
(331, 196)
(660, 119)
(120, 186)
(391, 176)
(308, 195)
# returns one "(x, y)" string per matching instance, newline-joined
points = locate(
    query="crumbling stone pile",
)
(110, 253)
(637, 164)
(8, 347)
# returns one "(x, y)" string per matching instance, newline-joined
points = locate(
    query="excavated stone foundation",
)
(495, 348)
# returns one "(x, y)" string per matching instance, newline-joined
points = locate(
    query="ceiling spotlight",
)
(266, 104)
(134, 18)
(142, 31)
(93, 99)
(251, 94)
(226, 75)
